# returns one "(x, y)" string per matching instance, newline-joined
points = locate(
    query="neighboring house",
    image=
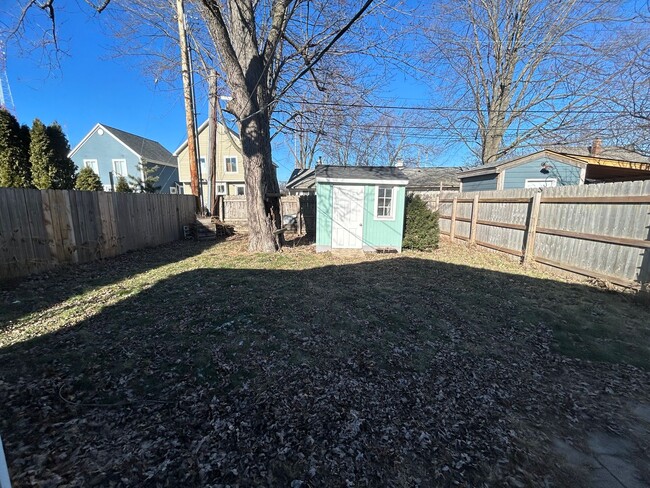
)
(301, 182)
(112, 152)
(230, 164)
(432, 179)
(359, 207)
(558, 167)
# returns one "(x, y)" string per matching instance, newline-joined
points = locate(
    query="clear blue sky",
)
(91, 86)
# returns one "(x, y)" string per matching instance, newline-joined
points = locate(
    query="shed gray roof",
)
(148, 149)
(380, 173)
(432, 177)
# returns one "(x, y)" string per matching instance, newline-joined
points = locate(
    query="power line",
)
(453, 109)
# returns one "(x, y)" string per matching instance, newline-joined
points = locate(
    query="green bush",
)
(123, 185)
(88, 180)
(421, 231)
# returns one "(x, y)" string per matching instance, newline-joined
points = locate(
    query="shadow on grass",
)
(383, 371)
(22, 296)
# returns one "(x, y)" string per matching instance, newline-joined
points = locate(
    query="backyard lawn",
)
(197, 364)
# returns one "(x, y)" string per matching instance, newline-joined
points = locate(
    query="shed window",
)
(384, 207)
(231, 164)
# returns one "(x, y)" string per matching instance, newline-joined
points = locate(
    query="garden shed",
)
(360, 207)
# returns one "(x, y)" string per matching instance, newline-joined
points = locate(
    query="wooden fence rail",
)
(601, 231)
(234, 211)
(41, 229)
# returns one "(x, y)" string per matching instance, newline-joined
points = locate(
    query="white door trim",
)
(347, 216)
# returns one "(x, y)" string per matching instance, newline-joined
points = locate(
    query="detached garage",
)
(360, 207)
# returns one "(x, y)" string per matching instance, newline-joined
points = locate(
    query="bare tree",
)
(263, 49)
(629, 96)
(516, 70)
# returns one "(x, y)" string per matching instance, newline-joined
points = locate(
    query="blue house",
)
(112, 153)
(558, 167)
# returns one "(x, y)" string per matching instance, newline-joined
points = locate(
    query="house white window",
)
(221, 188)
(385, 203)
(119, 168)
(231, 164)
(240, 190)
(540, 182)
(92, 164)
(204, 168)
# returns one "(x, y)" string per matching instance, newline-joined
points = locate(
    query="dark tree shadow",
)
(380, 373)
(22, 296)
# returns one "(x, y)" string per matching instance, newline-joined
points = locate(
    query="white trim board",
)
(393, 199)
(94, 129)
(362, 181)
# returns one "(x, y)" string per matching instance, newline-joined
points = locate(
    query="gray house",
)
(112, 152)
(558, 167)
(302, 182)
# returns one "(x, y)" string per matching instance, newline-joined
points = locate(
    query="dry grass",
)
(419, 369)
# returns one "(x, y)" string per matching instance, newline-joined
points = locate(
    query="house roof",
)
(360, 174)
(432, 177)
(302, 179)
(199, 130)
(615, 153)
(146, 149)
(572, 155)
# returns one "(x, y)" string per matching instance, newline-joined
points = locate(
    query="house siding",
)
(167, 176)
(515, 177)
(383, 233)
(104, 149)
(225, 148)
(479, 183)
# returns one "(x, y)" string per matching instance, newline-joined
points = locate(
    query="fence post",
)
(472, 230)
(531, 228)
(452, 227)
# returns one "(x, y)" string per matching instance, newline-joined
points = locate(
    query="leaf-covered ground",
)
(197, 364)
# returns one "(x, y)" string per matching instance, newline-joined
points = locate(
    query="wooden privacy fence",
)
(40, 229)
(601, 231)
(234, 208)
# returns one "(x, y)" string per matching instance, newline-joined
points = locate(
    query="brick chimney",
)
(596, 147)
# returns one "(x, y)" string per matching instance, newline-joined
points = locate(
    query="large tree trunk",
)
(262, 190)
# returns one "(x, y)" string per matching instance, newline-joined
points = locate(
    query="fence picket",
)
(602, 231)
(40, 229)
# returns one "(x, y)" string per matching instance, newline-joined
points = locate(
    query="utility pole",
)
(212, 140)
(189, 104)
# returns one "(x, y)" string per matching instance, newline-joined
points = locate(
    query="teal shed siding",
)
(383, 233)
(104, 149)
(516, 176)
(479, 183)
(376, 233)
(323, 215)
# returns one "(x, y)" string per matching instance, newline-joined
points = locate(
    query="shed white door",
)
(347, 217)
